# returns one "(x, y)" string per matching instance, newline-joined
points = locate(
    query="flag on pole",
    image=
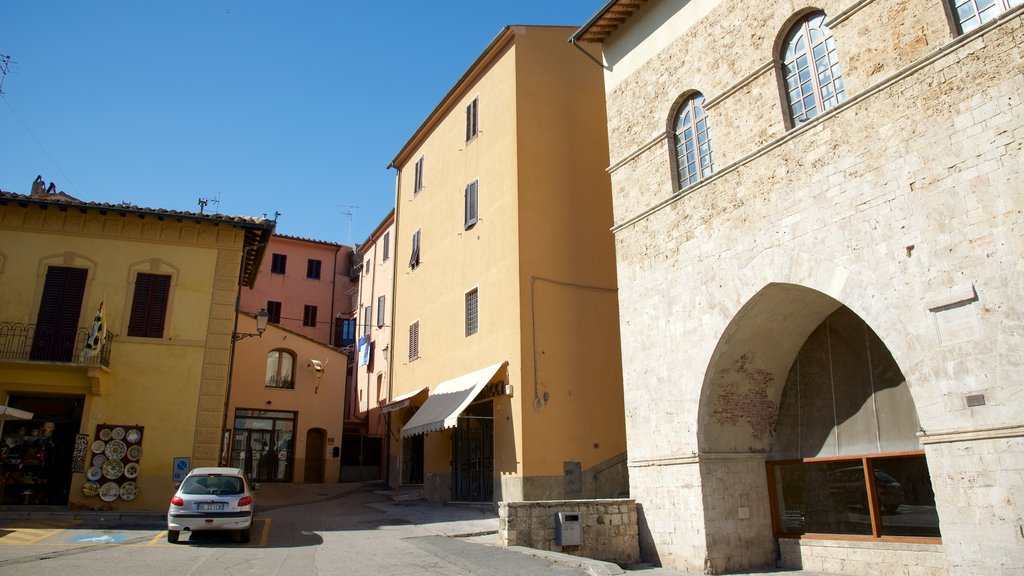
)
(94, 344)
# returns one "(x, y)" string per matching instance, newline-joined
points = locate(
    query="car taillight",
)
(177, 501)
(244, 501)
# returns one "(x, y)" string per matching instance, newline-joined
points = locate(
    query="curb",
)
(594, 567)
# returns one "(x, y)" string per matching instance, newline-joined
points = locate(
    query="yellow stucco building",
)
(110, 415)
(506, 379)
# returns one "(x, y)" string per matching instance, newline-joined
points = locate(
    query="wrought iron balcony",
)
(30, 343)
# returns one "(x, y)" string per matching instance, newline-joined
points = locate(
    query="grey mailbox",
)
(568, 529)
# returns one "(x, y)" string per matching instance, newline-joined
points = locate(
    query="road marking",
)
(160, 536)
(32, 532)
(266, 533)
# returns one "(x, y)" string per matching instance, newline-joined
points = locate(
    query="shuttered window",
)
(380, 311)
(273, 312)
(414, 340)
(472, 201)
(414, 257)
(149, 305)
(472, 119)
(59, 310)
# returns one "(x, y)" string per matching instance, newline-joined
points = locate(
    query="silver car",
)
(212, 499)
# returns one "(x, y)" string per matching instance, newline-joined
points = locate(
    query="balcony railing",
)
(28, 342)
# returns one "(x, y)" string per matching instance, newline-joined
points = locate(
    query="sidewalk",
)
(474, 523)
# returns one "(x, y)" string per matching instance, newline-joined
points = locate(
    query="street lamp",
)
(261, 326)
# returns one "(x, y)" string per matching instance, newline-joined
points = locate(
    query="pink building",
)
(306, 287)
(365, 429)
(286, 404)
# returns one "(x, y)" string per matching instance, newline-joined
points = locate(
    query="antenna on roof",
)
(349, 211)
(5, 65)
(204, 201)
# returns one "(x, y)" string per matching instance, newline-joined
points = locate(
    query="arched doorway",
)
(316, 440)
(806, 428)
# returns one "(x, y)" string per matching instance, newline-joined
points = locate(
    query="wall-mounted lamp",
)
(261, 326)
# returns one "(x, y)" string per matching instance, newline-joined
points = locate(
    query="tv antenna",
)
(349, 210)
(204, 201)
(5, 65)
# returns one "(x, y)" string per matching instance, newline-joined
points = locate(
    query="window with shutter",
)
(472, 119)
(59, 311)
(414, 258)
(149, 305)
(278, 263)
(313, 269)
(414, 340)
(380, 311)
(386, 249)
(309, 315)
(367, 318)
(273, 312)
(472, 198)
(418, 177)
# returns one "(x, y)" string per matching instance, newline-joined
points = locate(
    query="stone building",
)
(818, 240)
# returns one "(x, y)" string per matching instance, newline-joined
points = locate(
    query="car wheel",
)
(172, 536)
(245, 535)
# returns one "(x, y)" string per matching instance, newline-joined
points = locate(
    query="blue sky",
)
(288, 106)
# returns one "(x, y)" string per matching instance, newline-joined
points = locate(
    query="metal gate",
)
(473, 455)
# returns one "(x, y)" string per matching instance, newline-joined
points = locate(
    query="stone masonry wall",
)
(609, 527)
(903, 204)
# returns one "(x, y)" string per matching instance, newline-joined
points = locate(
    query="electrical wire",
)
(45, 151)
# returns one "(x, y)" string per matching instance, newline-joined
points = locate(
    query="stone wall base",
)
(858, 558)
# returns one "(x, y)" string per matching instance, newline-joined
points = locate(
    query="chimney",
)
(38, 186)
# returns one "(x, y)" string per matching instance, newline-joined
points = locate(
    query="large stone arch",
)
(739, 412)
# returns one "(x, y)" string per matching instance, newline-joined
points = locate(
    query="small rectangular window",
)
(414, 257)
(472, 312)
(380, 311)
(472, 119)
(149, 305)
(472, 202)
(313, 269)
(386, 247)
(973, 13)
(273, 312)
(414, 340)
(367, 318)
(278, 263)
(418, 177)
(309, 315)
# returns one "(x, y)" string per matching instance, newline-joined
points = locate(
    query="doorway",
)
(36, 455)
(316, 440)
(473, 455)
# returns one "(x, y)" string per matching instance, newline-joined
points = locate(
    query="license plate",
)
(209, 506)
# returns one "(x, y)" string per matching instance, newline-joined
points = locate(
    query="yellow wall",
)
(544, 211)
(454, 260)
(173, 386)
(567, 261)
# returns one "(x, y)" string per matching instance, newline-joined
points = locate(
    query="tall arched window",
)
(973, 13)
(814, 82)
(280, 369)
(693, 142)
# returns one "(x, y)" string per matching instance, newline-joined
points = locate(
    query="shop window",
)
(846, 460)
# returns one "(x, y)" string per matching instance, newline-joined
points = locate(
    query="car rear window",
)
(212, 485)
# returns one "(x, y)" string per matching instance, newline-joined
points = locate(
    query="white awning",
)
(8, 413)
(448, 400)
(402, 401)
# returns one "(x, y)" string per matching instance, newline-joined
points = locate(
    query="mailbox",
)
(568, 529)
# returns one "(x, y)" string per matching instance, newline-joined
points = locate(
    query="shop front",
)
(263, 444)
(37, 452)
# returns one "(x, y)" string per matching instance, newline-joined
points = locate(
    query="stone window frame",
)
(977, 18)
(689, 103)
(814, 87)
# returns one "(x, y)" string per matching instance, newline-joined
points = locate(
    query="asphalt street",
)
(308, 529)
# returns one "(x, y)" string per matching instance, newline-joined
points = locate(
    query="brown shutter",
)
(149, 305)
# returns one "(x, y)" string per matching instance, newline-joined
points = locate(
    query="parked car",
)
(212, 499)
